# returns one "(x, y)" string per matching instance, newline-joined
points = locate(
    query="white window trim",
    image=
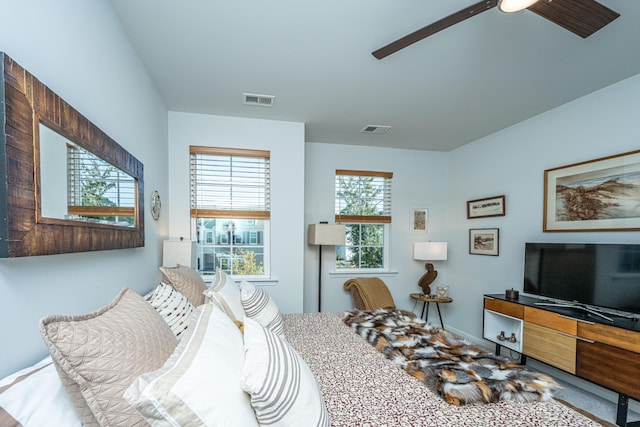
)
(385, 255)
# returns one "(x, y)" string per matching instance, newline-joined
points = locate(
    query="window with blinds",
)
(230, 209)
(363, 204)
(97, 191)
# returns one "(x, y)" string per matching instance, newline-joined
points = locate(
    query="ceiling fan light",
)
(514, 5)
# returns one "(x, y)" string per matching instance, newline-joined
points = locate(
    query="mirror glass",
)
(78, 185)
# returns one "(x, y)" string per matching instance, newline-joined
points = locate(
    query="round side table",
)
(426, 300)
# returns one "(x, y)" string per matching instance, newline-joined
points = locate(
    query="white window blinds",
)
(229, 183)
(97, 188)
(363, 196)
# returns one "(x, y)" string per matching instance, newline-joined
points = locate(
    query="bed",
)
(363, 388)
(198, 364)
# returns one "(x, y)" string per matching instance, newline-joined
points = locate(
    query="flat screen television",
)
(594, 274)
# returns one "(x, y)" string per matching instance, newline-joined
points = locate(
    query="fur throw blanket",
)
(460, 373)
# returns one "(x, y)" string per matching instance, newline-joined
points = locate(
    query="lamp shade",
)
(327, 234)
(514, 5)
(181, 252)
(430, 251)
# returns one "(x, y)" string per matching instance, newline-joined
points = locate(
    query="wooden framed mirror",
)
(68, 186)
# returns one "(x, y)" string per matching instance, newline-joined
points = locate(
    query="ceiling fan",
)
(582, 17)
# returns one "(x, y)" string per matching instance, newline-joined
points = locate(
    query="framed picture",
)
(484, 241)
(597, 195)
(419, 219)
(490, 206)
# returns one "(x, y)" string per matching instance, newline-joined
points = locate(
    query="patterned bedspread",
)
(459, 372)
(362, 388)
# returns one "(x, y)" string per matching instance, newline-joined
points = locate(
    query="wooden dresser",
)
(604, 352)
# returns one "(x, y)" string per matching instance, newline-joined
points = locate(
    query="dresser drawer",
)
(551, 320)
(504, 307)
(611, 367)
(616, 337)
(550, 347)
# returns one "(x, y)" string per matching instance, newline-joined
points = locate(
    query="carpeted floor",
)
(588, 414)
(591, 405)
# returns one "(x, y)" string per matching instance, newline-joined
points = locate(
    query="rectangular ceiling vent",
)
(379, 129)
(258, 100)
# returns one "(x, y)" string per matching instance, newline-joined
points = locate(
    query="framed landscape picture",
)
(484, 241)
(490, 206)
(597, 195)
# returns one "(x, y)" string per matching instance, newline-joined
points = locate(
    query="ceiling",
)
(466, 82)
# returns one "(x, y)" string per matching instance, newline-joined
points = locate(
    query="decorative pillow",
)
(98, 355)
(283, 390)
(187, 281)
(34, 397)
(219, 279)
(200, 383)
(225, 293)
(259, 306)
(172, 306)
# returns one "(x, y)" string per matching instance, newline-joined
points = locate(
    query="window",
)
(363, 204)
(98, 191)
(230, 204)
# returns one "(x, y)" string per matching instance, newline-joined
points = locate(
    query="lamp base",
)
(427, 278)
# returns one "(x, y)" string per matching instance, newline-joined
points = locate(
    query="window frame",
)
(384, 219)
(262, 174)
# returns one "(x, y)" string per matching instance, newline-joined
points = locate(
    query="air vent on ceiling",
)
(379, 129)
(258, 100)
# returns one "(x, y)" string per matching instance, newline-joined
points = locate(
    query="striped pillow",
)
(283, 390)
(225, 293)
(173, 306)
(199, 384)
(259, 306)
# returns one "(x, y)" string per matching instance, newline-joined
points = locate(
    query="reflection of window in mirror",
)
(89, 189)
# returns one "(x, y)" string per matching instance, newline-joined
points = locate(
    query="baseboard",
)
(634, 406)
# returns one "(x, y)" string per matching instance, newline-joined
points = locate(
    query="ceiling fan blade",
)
(581, 17)
(430, 29)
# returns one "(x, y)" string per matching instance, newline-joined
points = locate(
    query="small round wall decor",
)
(156, 204)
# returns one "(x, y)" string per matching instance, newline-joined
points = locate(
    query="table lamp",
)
(429, 251)
(179, 252)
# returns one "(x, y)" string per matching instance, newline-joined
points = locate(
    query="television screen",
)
(605, 275)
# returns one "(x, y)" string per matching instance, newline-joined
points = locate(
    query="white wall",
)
(78, 49)
(419, 180)
(285, 140)
(512, 162)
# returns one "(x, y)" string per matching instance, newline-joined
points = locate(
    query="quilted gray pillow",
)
(187, 281)
(98, 355)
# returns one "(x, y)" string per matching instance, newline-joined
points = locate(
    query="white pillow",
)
(173, 306)
(283, 390)
(200, 382)
(225, 293)
(35, 397)
(259, 306)
(218, 279)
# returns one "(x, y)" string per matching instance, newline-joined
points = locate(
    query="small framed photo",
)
(484, 241)
(490, 206)
(419, 219)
